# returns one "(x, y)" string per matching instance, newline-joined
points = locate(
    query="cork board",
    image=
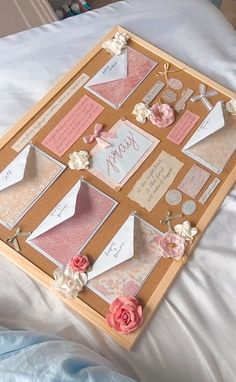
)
(89, 304)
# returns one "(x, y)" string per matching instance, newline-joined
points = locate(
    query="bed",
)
(192, 335)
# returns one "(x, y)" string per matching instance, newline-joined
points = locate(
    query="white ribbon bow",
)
(203, 96)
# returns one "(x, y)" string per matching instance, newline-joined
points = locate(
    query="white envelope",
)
(214, 142)
(23, 181)
(63, 211)
(120, 249)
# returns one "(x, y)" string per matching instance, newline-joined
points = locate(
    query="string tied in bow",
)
(166, 71)
(100, 136)
(203, 96)
(14, 239)
(167, 219)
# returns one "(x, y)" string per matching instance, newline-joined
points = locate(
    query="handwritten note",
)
(128, 150)
(49, 113)
(183, 127)
(72, 126)
(154, 182)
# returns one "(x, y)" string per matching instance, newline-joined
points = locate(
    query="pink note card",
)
(73, 125)
(183, 127)
(193, 181)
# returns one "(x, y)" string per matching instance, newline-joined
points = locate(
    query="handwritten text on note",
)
(154, 182)
(73, 125)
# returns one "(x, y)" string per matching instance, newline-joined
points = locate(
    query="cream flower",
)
(116, 44)
(79, 160)
(141, 112)
(186, 231)
(69, 283)
(231, 106)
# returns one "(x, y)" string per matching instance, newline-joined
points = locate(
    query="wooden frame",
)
(41, 276)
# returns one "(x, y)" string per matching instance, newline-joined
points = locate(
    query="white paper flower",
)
(79, 160)
(141, 112)
(69, 283)
(116, 44)
(186, 231)
(231, 106)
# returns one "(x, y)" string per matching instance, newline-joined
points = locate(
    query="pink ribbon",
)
(99, 136)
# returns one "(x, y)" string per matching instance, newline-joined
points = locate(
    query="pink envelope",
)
(120, 77)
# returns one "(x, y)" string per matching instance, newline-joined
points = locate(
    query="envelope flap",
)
(211, 124)
(63, 211)
(120, 249)
(115, 69)
(15, 171)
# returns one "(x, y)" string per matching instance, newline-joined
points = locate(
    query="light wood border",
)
(40, 276)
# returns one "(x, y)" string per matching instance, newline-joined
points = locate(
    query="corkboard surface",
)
(68, 178)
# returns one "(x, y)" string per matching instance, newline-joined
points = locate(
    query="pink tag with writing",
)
(193, 181)
(73, 125)
(183, 127)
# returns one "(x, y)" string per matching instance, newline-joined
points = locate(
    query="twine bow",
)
(99, 136)
(166, 71)
(203, 96)
(14, 239)
(167, 219)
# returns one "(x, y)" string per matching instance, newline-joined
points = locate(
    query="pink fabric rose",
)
(171, 245)
(162, 115)
(79, 263)
(125, 314)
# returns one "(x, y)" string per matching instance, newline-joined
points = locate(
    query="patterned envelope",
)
(72, 223)
(127, 261)
(214, 142)
(23, 181)
(120, 77)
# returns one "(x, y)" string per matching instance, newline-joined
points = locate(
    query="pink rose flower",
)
(162, 115)
(171, 245)
(79, 263)
(125, 314)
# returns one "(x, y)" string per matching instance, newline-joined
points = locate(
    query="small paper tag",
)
(152, 93)
(181, 103)
(210, 189)
(169, 96)
(193, 181)
(183, 127)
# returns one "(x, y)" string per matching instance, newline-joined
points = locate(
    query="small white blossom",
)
(69, 283)
(231, 106)
(116, 44)
(79, 160)
(141, 112)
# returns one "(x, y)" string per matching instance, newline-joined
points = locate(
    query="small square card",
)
(23, 181)
(120, 77)
(127, 151)
(127, 261)
(72, 126)
(193, 181)
(72, 223)
(155, 181)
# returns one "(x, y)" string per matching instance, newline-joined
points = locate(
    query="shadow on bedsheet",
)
(27, 357)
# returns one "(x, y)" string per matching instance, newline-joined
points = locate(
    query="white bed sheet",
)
(192, 335)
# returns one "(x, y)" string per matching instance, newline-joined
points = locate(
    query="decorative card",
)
(72, 223)
(214, 142)
(120, 77)
(183, 127)
(127, 151)
(23, 181)
(155, 181)
(73, 125)
(194, 180)
(132, 254)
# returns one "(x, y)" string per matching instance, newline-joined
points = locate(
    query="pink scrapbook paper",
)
(193, 181)
(116, 92)
(183, 127)
(127, 278)
(73, 125)
(66, 239)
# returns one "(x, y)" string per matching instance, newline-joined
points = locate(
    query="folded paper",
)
(214, 142)
(23, 181)
(127, 261)
(72, 223)
(115, 164)
(120, 76)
